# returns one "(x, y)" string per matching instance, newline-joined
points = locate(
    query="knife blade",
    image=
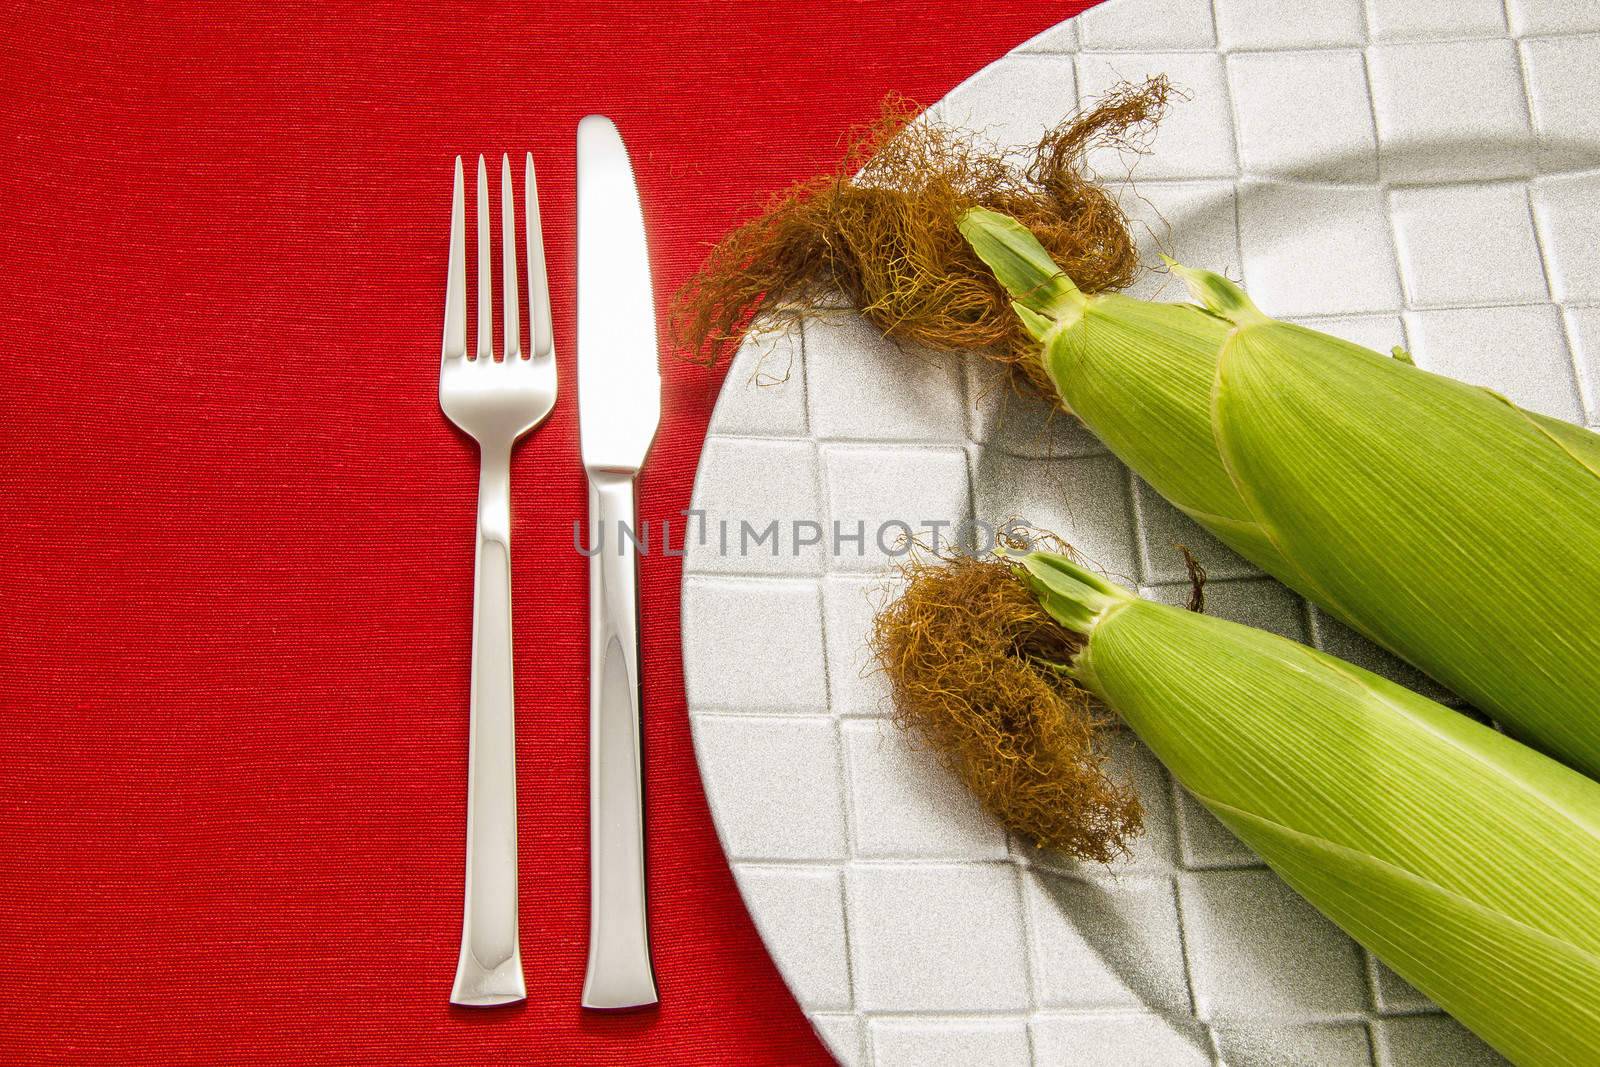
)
(619, 406)
(619, 379)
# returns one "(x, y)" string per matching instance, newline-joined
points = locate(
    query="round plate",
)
(1394, 172)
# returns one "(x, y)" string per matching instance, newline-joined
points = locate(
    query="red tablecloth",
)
(236, 559)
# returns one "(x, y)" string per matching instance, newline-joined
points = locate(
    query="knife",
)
(619, 406)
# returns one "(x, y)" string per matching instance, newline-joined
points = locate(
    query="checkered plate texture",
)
(1417, 172)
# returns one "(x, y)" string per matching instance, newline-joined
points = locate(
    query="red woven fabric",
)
(236, 554)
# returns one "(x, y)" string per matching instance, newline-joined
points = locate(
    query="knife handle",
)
(619, 972)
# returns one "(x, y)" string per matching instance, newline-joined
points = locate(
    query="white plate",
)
(1398, 172)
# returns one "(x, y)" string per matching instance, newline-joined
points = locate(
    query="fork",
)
(494, 402)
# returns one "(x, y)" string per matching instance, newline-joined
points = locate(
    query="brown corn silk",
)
(881, 232)
(973, 661)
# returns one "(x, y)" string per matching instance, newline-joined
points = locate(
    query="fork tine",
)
(539, 330)
(508, 261)
(455, 289)
(485, 274)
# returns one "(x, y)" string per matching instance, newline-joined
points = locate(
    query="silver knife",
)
(619, 405)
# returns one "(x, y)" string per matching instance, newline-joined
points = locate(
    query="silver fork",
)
(495, 402)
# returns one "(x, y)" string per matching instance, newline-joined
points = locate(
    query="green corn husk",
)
(1466, 861)
(1386, 494)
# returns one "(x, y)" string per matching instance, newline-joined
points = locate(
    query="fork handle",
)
(490, 969)
(619, 972)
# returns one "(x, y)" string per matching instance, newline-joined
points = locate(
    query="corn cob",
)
(1466, 861)
(1397, 499)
